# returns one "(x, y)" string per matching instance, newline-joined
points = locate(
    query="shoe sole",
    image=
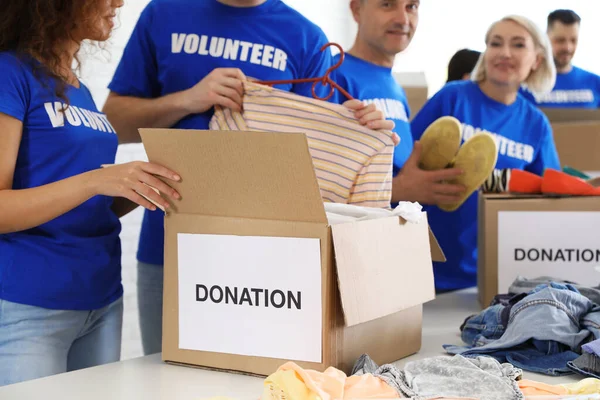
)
(440, 143)
(476, 158)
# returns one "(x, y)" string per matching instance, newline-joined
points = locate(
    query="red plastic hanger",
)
(325, 80)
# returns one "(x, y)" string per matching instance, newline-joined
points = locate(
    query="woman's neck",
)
(67, 53)
(504, 94)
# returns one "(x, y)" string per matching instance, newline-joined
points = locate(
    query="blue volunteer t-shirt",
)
(373, 83)
(575, 89)
(176, 43)
(524, 139)
(74, 261)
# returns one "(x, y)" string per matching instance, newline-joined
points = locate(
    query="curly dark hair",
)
(36, 29)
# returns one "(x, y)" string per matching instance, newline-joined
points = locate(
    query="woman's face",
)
(101, 25)
(510, 55)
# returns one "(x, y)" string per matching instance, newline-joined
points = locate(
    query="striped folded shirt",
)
(353, 163)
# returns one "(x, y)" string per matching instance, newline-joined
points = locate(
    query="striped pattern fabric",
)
(497, 182)
(353, 163)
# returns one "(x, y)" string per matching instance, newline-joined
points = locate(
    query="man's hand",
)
(425, 187)
(223, 86)
(371, 117)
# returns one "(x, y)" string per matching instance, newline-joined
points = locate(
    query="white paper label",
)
(251, 296)
(563, 245)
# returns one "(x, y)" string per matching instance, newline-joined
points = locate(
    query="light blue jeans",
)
(150, 306)
(37, 342)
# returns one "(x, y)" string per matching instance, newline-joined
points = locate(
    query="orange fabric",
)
(368, 387)
(333, 384)
(557, 182)
(524, 182)
(533, 388)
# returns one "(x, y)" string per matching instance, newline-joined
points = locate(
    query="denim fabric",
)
(508, 299)
(586, 365)
(37, 342)
(489, 325)
(524, 285)
(545, 330)
(448, 377)
(387, 373)
(150, 306)
(483, 328)
(592, 347)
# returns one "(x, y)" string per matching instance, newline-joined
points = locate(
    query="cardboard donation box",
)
(578, 145)
(535, 236)
(577, 137)
(255, 276)
(415, 86)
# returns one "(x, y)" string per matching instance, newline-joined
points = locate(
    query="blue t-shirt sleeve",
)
(339, 78)
(546, 156)
(314, 64)
(14, 92)
(433, 109)
(137, 72)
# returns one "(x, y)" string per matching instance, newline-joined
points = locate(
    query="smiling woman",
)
(517, 52)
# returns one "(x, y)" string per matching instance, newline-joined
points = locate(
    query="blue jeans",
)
(37, 342)
(545, 330)
(150, 306)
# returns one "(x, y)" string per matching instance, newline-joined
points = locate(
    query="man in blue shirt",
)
(385, 29)
(575, 87)
(183, 58)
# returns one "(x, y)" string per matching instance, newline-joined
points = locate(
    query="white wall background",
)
(445, 26)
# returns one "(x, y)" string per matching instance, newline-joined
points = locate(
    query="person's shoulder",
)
(589, 76)
(456, 88)
(531, 113)
(165, 9)
(9, 59)
(15, 66)
(303, 25)
(586, 73)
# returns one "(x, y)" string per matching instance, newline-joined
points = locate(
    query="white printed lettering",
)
(177, 40)
(82, 117)
(245, 48)
(191, 44)
(203, 47)
(76, 116)
(256, 53)
(90, 118)
(280, 60)
(506, 147)
(72, 117)
(216, 47)
(268, 56)
(567, 96)
(54, 111)
(231, 49)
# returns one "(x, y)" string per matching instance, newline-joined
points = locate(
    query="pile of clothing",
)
(457, 377)
(552, 328)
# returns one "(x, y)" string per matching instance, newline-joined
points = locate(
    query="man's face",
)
(387, 25)
(564, 40)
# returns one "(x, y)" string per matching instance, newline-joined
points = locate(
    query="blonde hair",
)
(541, 80)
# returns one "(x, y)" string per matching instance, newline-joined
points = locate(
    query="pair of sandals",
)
(476, 157)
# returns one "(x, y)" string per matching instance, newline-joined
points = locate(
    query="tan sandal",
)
(440, 143)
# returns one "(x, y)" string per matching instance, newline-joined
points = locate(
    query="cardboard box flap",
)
(239, 174)
(389, 272)
(571, 114)
(437, 254)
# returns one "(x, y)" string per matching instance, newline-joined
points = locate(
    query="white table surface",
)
(148, 378)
